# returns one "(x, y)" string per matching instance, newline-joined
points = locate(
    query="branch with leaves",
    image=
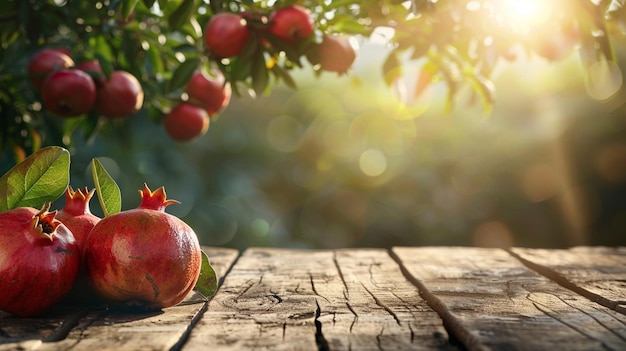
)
(165, 43)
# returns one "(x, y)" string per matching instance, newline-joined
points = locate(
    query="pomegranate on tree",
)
(93, 68)
(120, 95)
(76, 214)
(45, 62)
(68, 92)
(143, 257)
(333, 54)
(186, 122)
(292, 24)
(39, 260)
(226, 34)
(211, 93)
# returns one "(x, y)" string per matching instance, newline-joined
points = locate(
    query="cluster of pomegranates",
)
(226, 35)
(142, 257)
(70, 90)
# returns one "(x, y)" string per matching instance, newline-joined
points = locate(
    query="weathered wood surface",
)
(407, 298)
(341, 300)
(598, 273)
(490, 300)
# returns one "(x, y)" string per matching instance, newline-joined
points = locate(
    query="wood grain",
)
(490, 300)
(282, 299)
(598, 273)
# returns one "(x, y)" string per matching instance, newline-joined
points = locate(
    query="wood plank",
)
(282, 299)
(103, 329)
(599, 273)
(375, 307)
(490, 300)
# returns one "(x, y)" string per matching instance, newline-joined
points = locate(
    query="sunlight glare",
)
(522, 15)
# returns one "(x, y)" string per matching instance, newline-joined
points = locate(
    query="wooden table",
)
(407, 298)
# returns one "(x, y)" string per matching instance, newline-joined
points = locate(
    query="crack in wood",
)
(314, 289)
(545, 310)
(185, 335)
(379, 341)
(322, 343)
(381, 304)
(66, 327)
(566, 283)
(457, 333)
(346, 292)
(356, 316)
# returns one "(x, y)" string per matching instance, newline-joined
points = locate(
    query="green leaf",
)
(41, 177)
(109, 193)
(183, 73)
(260, 74)
(128, 7)
(207, 282)
(181, 16)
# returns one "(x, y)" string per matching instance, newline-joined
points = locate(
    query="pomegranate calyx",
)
(77, 202)
(45, 223)
(155, 200)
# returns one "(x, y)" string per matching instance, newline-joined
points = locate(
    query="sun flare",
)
(523, 15)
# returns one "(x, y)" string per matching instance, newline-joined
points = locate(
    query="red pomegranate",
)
(143, 257)
(292, 24)
(68, 92)
(39, 260)
(186, 122)
(76, 214)
(210, 92)
(226, 34)
(45, 62)
(120, 96)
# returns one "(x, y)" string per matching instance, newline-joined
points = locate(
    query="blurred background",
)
(345, 161)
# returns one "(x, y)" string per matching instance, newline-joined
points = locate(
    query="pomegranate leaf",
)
(207, 282)
(41, 177)
(109, 193)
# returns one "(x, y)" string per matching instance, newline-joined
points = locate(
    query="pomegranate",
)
(292, 24)
(143, 257)
(39, 260)
(226, 34)
(211, 93)
(68, 92)
(333, 54)
(45, 62)
(120, 96)
(93, 68)
(186, 122)
(76, 214)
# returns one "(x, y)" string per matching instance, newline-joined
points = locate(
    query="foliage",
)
(160, 42)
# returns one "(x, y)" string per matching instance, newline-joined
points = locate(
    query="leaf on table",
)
(207, 282)
(109, 193)
(41, 177)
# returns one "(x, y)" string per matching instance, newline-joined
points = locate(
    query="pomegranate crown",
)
(77, 202)
(45, 222)
(154, 200)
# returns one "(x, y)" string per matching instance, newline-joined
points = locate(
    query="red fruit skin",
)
(292, 24)
(76, 214)
(226, 34)
(68, 93)
(45, 62)
(186, 121)
(36, 269)
(211, 93)
(120, 96)
(93, 68)
(336, 54)
(143, 257)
